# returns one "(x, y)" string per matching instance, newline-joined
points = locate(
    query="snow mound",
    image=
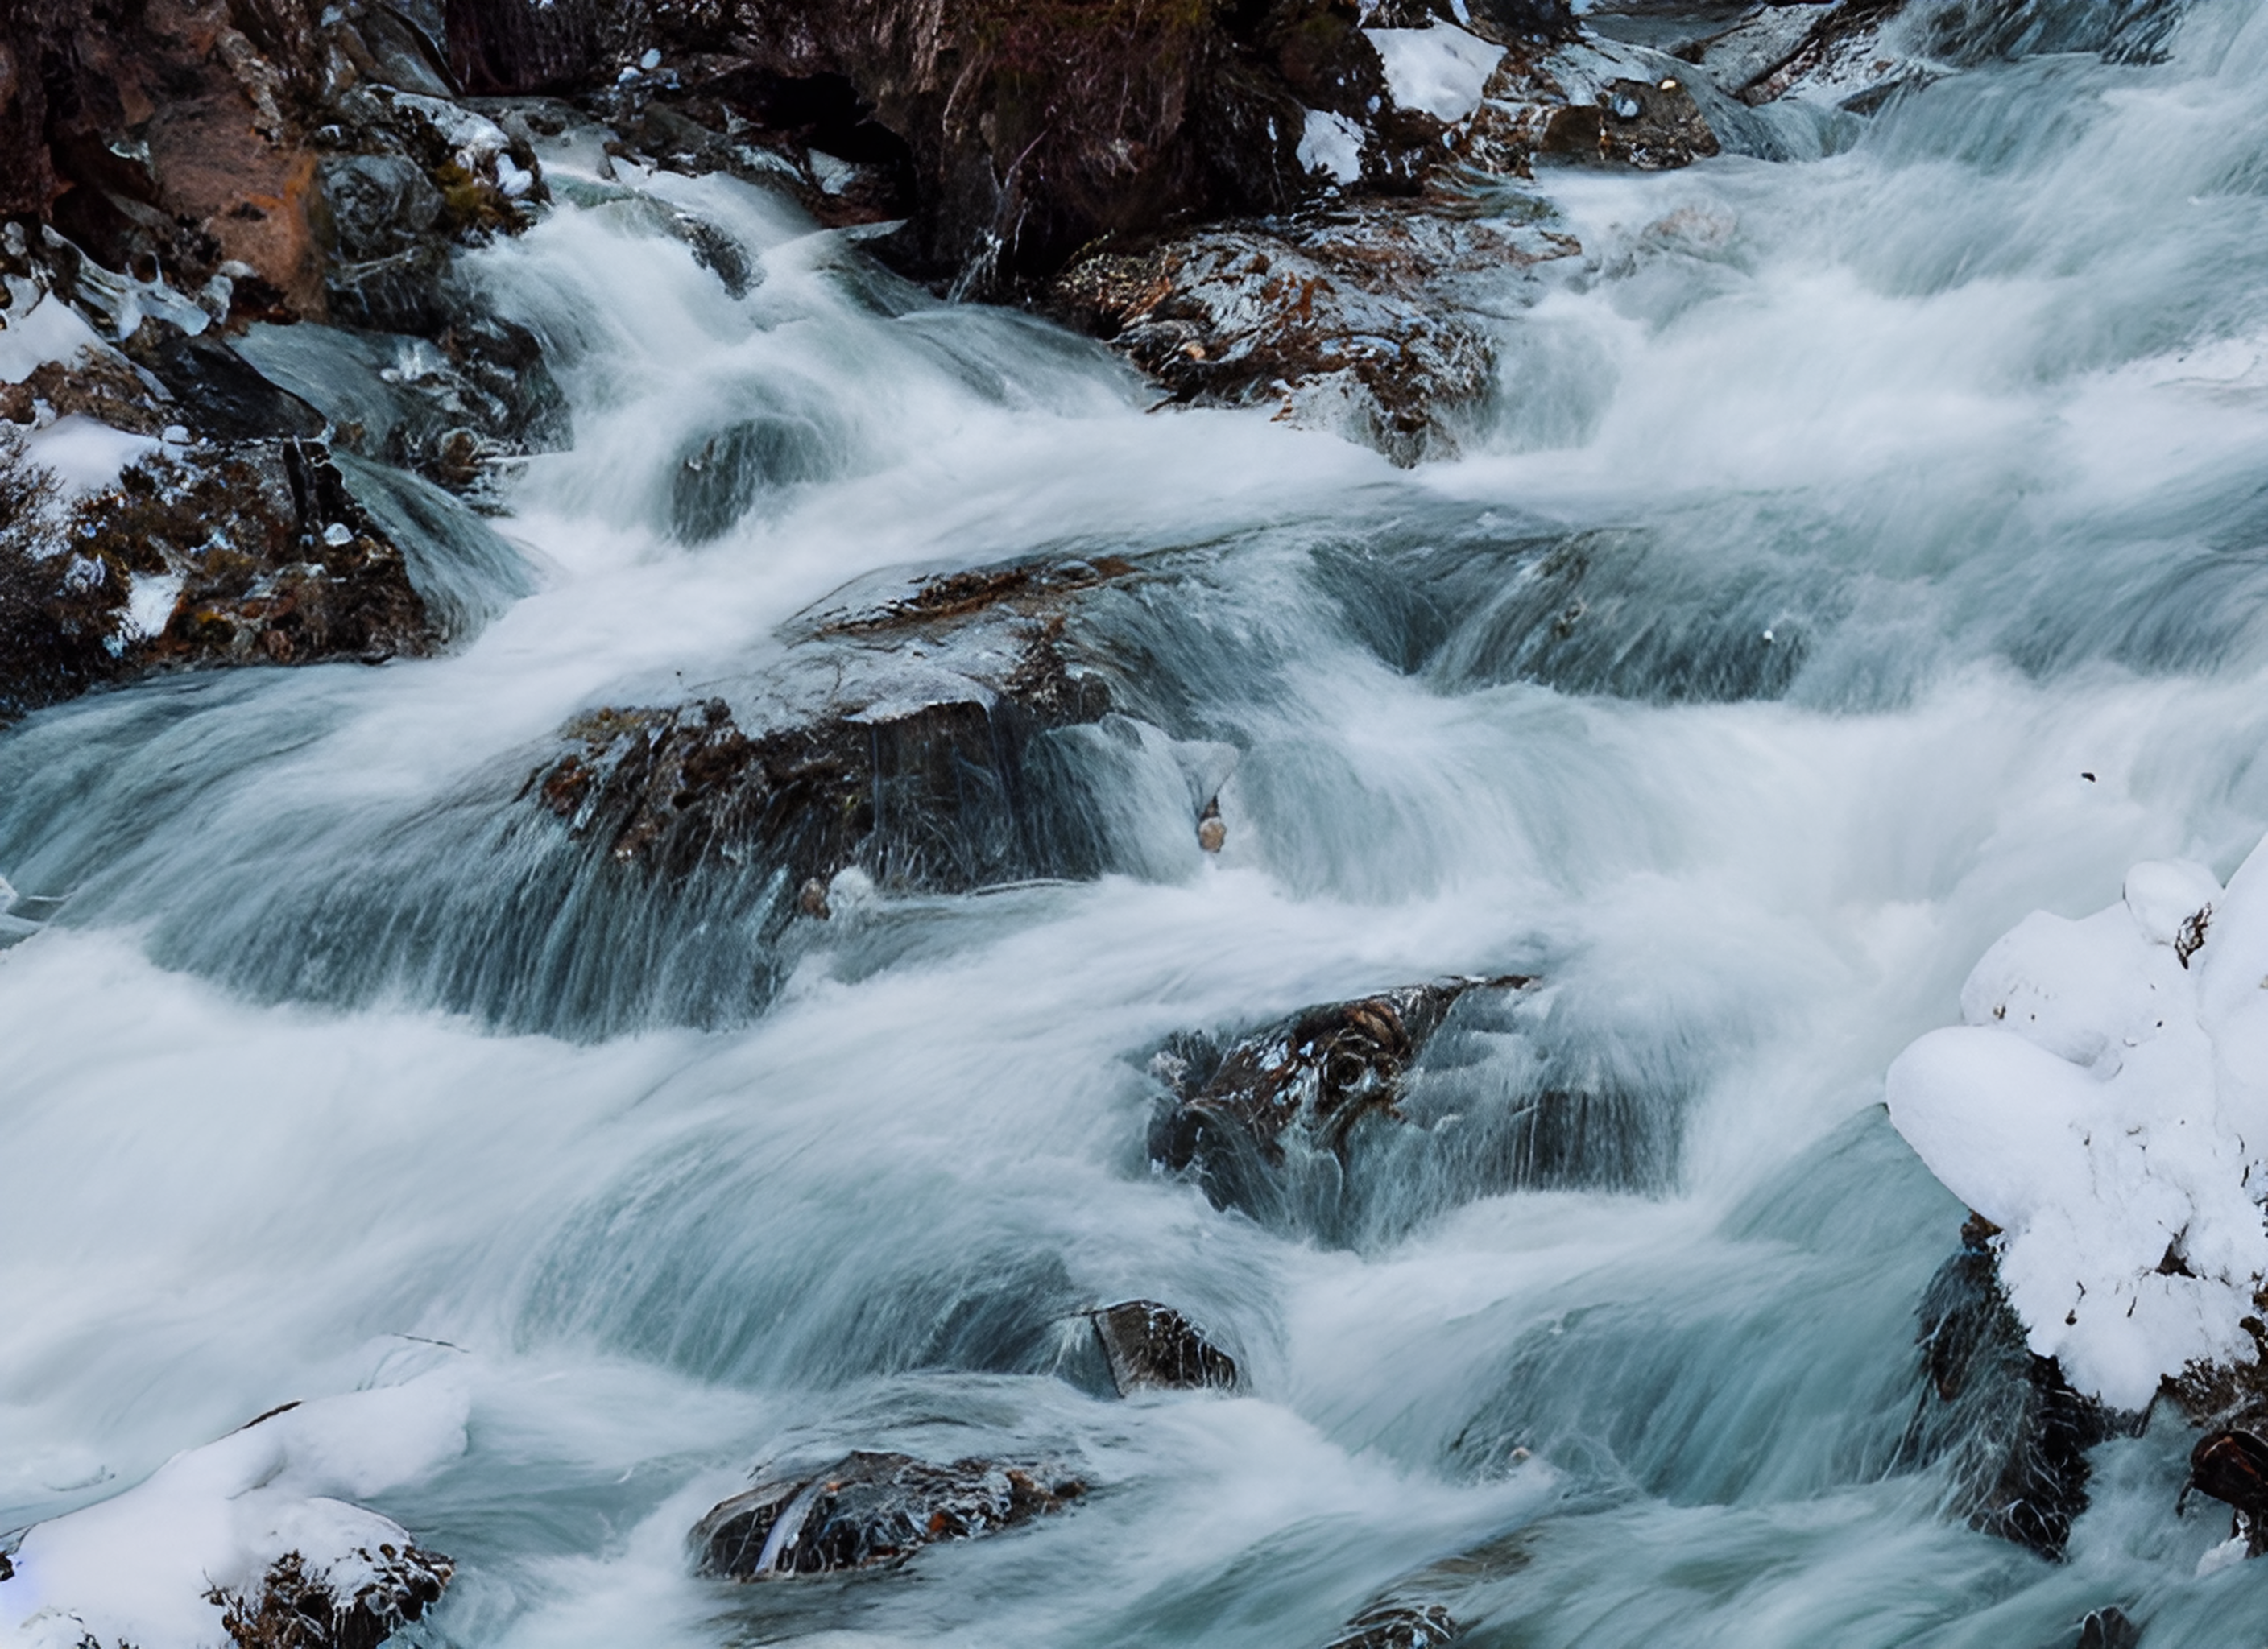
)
(159, 1566)
(1439, 70)
(2106, 1104)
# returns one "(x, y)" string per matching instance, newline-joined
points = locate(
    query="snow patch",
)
(85, 455)
(40, 328)
(1332, 143)
(139, 1568)
(1439, 70)
(2106, 1104)
(150, 602)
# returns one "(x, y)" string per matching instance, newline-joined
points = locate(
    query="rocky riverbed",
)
(1163, 781)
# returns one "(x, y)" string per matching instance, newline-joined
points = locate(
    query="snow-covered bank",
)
(2106, 1104)
(256, 1522)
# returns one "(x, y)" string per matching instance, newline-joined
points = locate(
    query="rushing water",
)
(1863, 551)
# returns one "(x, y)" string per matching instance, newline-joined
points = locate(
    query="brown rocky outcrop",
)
(870, 1509)
(193, 141)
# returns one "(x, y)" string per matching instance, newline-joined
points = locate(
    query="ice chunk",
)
(1439, 70)
(144, 1567)
(1332, 143)
(2104, 1106)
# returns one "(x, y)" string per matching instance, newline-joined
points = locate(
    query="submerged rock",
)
(869, 1509)
(1400, 1626)
(2013, 1431)
(1309, 1080)
(1152, 1347)
(2108, 1629)
(899, 743)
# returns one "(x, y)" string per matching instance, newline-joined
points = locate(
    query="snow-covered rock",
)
(258, 1522)
(2106, 1104)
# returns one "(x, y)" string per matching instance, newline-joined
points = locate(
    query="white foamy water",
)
(1864, 552)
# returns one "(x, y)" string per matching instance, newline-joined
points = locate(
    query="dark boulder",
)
(2108, 1629)
(869, 1509)
(214, 390)
(2008, 1429)
(300, 1606)
(2231, 1466)
(376, 206)
(1152, 1347)
(1308, 1079)
(909, 755)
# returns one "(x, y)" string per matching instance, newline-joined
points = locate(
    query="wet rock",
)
(900, 741)
(870, 1509)
(1400, 1626)
(1213, 830)
(2231, 1466)
(1307, 1082)
(1370, 322)
(1648, 126)
(158, 136)
(356, 1603)
(377, 206)
(2013, 1431)
(1152, 1347)
(457, 409)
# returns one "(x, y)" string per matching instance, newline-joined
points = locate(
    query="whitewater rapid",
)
(1904, 510)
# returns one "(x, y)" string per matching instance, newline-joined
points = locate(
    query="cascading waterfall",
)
(1859, 552)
